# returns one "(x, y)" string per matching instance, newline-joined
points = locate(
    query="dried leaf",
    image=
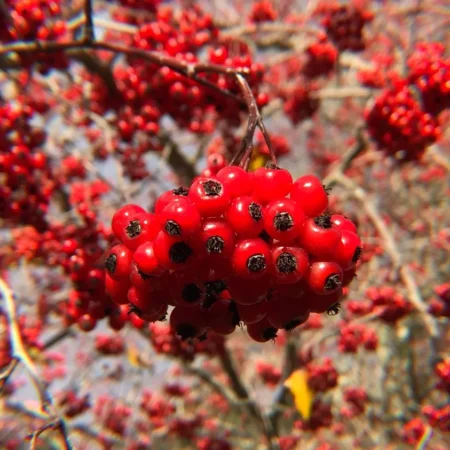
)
(297, 383)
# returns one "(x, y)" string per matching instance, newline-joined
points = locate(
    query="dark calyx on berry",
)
(333, 282)
(180, 252)
(255, 211)
(172, 228)
(286, 263)
(323, 221)
(215, 287)
(272, 166)
(357, 254)
(191, 293)
(212, 188)
(334, 309)
(134, 228)
(111, 263)
(215, 244)
(270, 333)
(180, 191)
(256, 263)
(283, 221)
(186, 331)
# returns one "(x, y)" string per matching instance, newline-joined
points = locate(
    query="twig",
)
(7, 372)
(88, 24)
(57, 337)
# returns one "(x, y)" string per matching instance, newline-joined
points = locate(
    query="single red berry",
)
(348, 250)
(245, 217)
(147, 302)
(173, 253)
(146, 262)
(270, 183)
(158, 316)
(140, 228)
(117, 290)
(118, 317)
(210, 196)
(222, 317)
(118, 262)
(283, 220)
(216, 239)
(262, 331)
(320, 237)
(286, 313)
(121, 216)
(322, 303)
(349, 276)
(252, 313)
(248, 292)
(343, 223)
(309, 193)
(251, 258)
(325, 277)
(289, 264)
(185, 290)
(180, 218)
(146, 282)
(86, 322)
(187, 323)
(136, 321)
(169, 197)
(236, 180)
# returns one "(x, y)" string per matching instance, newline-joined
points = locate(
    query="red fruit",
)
(262, 331)
(118, 317)
(136, 321)
(159, 315)
(117, 290)
(248, 292)
(86, 322)
(320, 237)
(283, 220)
(270, 183)
(325, 277)
(118, 262)
(222, 316)
(252, 313)
(215, 240)
(322, 303)
(348, 250)
(286, 313)
(343, 223)
(146, 262)
(187, 323)
(180, 218)
(186, 290)
(120, 218)
(309, 193)
(139, 228)
(245, 217)
(147, 302)
(349, 276)
(236, 180)
(289, 264)
(147, 282)
(251, 258)
(172, 253)
(169, 197)
(210, 196)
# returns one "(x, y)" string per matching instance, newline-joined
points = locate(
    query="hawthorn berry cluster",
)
(255, 248)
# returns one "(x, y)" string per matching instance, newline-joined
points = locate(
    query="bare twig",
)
(88, 24)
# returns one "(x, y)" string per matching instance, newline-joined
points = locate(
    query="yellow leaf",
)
(258, 160)
(133, 356)
(297, 383)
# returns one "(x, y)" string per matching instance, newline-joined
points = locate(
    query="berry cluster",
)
(322, 377)
(233, 248)
(321, 59)
(262, 11)
(300, 103)
(398, 124)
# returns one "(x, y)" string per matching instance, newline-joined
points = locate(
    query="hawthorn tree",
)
(224, 225)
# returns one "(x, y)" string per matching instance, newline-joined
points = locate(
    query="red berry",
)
(118, 262)
(180, 218)
(236, 180)
(169, 197)
(86, 323)
(348, 250)
(120, 218)
(309, 193)
(252, 313)
(289, 264)
(140, 228)
(251, 258)
(147, 302)
(245, 217)
(215, 240)
(325, 277)
(146, 262)
(173, 253)
(343, 223)
(117, 290)
(262, 331)
(271, 183)
(283, 220)
(322, 303)
(248, 292)
(222, 316)
(320, 237)
(186, 290)
(286, 313)
(187, 322)
(210, 196)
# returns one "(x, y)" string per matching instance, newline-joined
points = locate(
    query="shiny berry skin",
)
(348, 250)
(86, 323)
(159, 315)
(262, 331)
(222, 316)
(320, 237)
(271, 183)
(309, 193)
(121, 216)
(180, 218)
(187, 323)
(325, 277)
(343, 223)
(118, 262)
(248, 292)
(245, 217)
(172, 253)
(289, 264)
(117, 290)
(252, 313)
(321, 303)
(283, 220)
(236, 180)
(147, 302)
(148, 282)
(215, 240)
(286, 313)
(139, 228)
(169, 197)
(251, 258)
(146, 262)
(210, 197)
(349, 276)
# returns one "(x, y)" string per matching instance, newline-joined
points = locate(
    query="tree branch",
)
(88, 24)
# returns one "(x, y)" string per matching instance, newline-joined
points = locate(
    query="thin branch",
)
(57, 337)
(88, 24)
(7, 372)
